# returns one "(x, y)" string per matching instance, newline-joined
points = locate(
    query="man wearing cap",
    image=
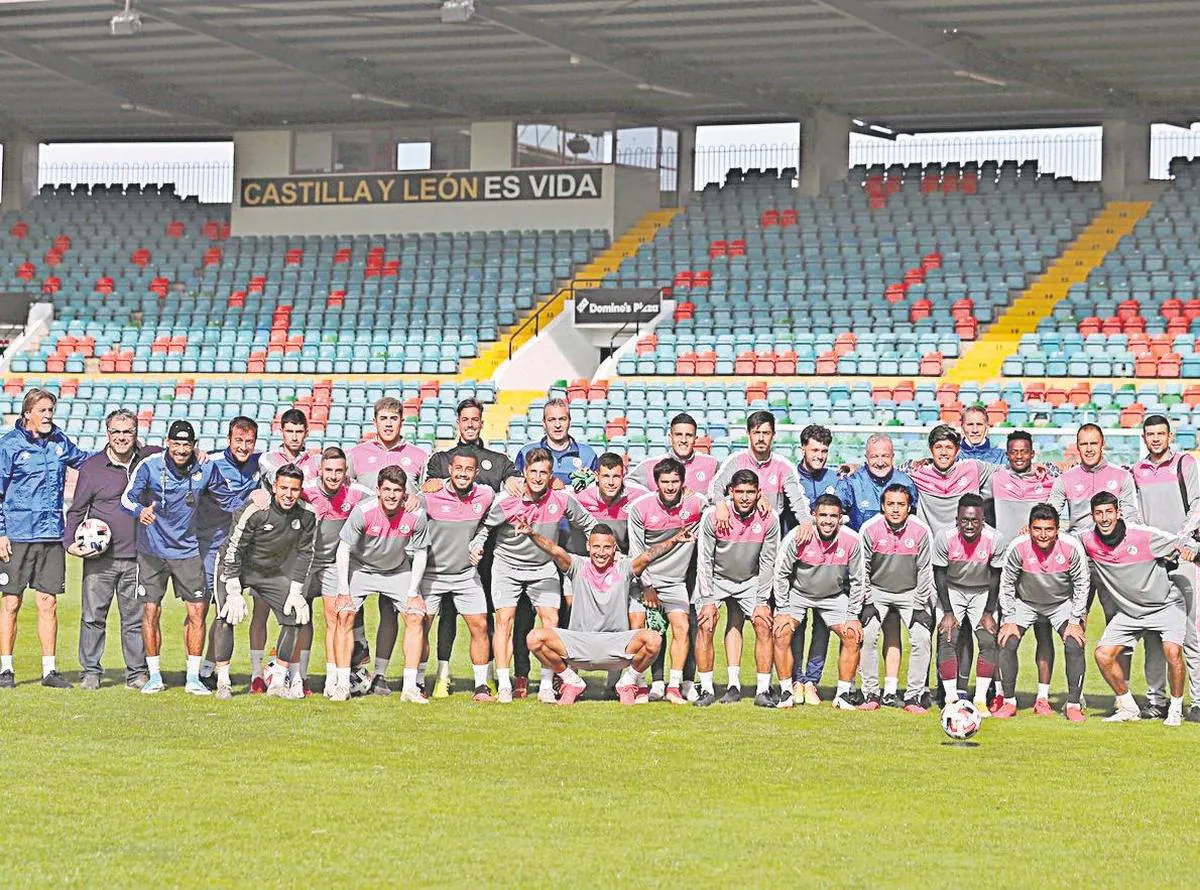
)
(163, 495)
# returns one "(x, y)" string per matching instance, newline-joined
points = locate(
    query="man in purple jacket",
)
(102, 479)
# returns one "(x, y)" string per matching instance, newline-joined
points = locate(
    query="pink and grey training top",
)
(968, 564)
(821, 570)
(614, 514)
(1045, 579)
(453, 521)
(381, 544)
(651, 522)
(1014, 494)
(517, 557)
(1161, 501)
(1073, 490)
(367, 458)
(937, 506)
(777, 480)
(332, 512)
(308, 463)
(601, 599)
(1130, 572)
(699, 471)
(898, 560)
(737, 561)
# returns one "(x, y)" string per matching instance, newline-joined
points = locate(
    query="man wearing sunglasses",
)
(113, 573)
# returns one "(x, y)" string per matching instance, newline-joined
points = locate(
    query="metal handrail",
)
(536, 319)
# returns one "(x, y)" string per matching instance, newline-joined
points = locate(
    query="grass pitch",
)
(116, 789)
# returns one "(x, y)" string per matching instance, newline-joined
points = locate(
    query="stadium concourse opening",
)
(488, 382)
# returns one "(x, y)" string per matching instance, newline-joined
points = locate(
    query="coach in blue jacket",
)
(33, 469)
(164, 496)
(862, 490)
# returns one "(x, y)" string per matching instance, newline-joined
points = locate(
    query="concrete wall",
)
(626, 194)
(560, 351)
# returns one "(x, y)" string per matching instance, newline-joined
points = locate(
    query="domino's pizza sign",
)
(617, 305)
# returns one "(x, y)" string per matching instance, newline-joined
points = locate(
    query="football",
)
(961, 720)
(93, 536)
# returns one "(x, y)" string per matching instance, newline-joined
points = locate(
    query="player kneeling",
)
(1045, 575)
(600, 638)
(824, 574)
(270, 551)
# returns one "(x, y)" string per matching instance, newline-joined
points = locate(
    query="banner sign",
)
(616, 305)
(14, 308)
(446, 187)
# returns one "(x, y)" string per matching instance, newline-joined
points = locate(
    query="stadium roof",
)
(203, 69)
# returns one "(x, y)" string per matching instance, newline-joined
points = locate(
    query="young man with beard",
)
(779, 485)
(737, 566)
(387, 448)
(383, 551)
(332, 498)
(816, 479)
(293, 431)
(1045, 576)
(898, 573)
(1014, 490)
(699, 469)
(34, 457)
(823, 575)
(1072, 493)
(1129, 568)
(522, 570)
(966, 573)
(601, 638)
(270, 551)
(1168, 490)
(164, 495)
(653, 518)
(493, 469)
(102, 479)
(451, 581)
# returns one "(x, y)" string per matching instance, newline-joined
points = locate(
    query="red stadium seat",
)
(931, 364)
(19, 230)
(827, 363)
(62, 243)
(342, 256)
(789, 218)
(947, 394)
(140, 257)
(160, 285)
(52, 258)
(212, 257)
(597, 390)
(577, 391)
(905, 390)
(931, 261)
(685, 364)
(966, 328)
(785, 363)
(1172, 308)
(293, 257)
(769, 218)
(51, 285)
(764, 363)
(1080, 394)
(26, 271)
(737, 248)
(701, 279)
(105, 284)
(1132, 415)
(756, 391)
(1145, 364)
(1112, 326)
(706, 362)
(683, 279)
(744, 363)
(717, 248)
(684, 309)
(176, 229)
(1128, 309)
(1170, 364)
(1090, 325)
(1191, 396)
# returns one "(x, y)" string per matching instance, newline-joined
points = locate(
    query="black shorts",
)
(273, 592)
(40, 565)
(186, 575)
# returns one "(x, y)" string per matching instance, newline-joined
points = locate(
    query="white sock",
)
(6, 663)
(410, 679)
(951, 689)
(658, 685)
(342, 676)
(331, 670)
(676, 678)
(381, 666)
(630, 678)
(153, 664)
(546, 680)
(293, 672)
(762, 683)
(206, 668)
(890, 685)
(1043, 690)
(444, 670)
(706, 681)
(256, 660)
(305, 658)
(223, 675)
(570, 678)
(480, 671)
(1126, 703)
(639, 677)
(735, 675)
(982, 685)
(504, 678)
(278, 672)
(193, 666)
(843, 687)
(48, 664)
(1176, 706)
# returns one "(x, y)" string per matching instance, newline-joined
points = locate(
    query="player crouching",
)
(600, 638)
(270, 551)
(824, 574)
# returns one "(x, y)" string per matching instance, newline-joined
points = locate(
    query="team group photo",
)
(599, 443)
